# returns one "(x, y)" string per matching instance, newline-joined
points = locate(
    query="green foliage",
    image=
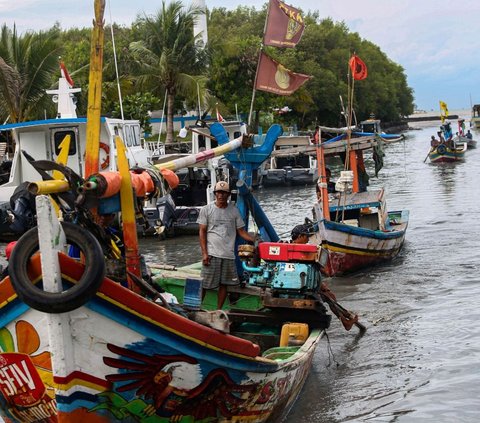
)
(137, 106)
(27, 65)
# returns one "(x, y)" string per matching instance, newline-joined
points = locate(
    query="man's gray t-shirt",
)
(222, 225)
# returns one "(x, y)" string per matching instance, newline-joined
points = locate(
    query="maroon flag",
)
(276, 78)
(284, 25)
(358, 68)
(65, 74)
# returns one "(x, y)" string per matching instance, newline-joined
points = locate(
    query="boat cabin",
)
(45, 140)
(371, 126)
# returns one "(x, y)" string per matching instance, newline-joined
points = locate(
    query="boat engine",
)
(287, 269)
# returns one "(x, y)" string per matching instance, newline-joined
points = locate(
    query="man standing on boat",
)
(219, 223)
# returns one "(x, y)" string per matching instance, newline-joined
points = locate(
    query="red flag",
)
(219, 116)
(358, 68)
(285, 25)
(275, 78)
(65, 74)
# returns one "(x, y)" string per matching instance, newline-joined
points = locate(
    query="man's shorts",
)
(220, 272)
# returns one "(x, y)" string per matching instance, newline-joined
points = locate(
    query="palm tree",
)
(27, 66)
(168, 55)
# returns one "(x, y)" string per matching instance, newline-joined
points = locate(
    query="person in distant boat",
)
(440, 137)
(469, 135)
(300, 234)
(219, 223)
(434, 142)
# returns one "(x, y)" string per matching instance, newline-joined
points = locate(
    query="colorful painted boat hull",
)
(347, 248)
(121, 357)
(447, 155)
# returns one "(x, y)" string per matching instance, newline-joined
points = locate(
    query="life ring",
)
(57, 302)
(105, 147)
(441, 149)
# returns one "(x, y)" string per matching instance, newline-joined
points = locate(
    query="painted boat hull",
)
(121, 357)
(447, 155)
(350, 248)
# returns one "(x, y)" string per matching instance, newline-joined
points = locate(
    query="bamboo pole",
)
(95, 91)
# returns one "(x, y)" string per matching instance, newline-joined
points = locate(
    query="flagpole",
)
(256, 72)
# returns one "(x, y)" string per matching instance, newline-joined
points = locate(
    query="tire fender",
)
(74, 296)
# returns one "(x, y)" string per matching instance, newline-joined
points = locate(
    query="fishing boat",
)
(352, 225)
(475, 118)
(445, 153)
(372, 126)
(78, 344)
(290, 164)
(463, 137)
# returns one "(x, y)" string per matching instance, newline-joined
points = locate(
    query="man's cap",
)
(222, 186)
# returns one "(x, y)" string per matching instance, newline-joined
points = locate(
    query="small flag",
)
(284, 26)
(219, 116)
(358, 68)
(66, 75)
(444, 110)
(275, 78)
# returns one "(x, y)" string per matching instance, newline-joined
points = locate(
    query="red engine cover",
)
(279, 251)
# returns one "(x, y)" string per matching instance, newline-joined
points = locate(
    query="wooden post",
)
(323, 177)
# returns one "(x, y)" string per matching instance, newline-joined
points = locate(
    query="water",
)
(419, 359)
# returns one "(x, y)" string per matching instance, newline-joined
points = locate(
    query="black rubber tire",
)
(75, 296)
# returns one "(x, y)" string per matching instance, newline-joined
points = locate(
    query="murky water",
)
(420, 358)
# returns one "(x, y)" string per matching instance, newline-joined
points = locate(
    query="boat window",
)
(59, 136)
(128, 135)
(136, 135)
(237, 134)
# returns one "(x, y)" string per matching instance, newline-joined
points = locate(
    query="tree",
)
(28, 65)
(167, 55)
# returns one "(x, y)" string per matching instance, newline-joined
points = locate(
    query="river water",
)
(419, 360)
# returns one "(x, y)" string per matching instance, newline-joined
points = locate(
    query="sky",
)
(437, 42)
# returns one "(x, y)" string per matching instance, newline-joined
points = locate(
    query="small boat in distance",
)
(372, 126)
(444, 153)
(475, 119)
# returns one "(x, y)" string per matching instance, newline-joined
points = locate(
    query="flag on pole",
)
(66, 75)
(219, 116)
(358, 68)
(275, 78)
(443, 110)
(284, 26)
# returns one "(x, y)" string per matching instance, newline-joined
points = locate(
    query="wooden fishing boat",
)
(445, 154)
(290, 164)
(459, 140)
(373, 127)
(353, 226)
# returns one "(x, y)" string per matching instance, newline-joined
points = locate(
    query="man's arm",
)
(202, 232)
(245, 235)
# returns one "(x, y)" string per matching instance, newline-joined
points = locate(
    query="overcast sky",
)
(436, 41)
